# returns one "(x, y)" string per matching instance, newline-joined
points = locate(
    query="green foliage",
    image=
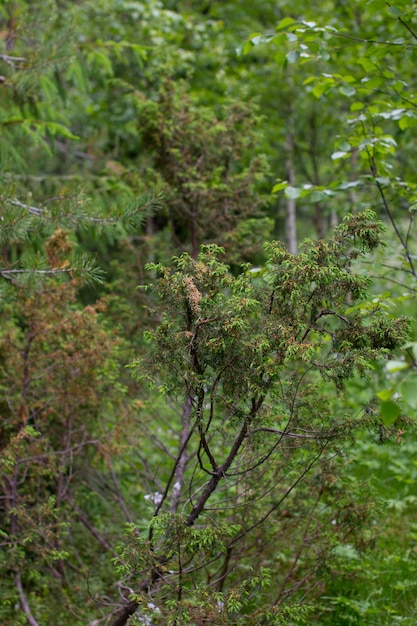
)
(198, 154)
(56, 365)
(290, 312)
(377, 588)
(250, 358)
(252, 473)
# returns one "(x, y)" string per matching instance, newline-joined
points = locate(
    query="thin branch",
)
(58, 270)
(323, 314)
(374, 41)
(31, 209)
(23, 601)
(397, 231)
(299, 551)
(293, 435)
(330, 312)
(396, 282)
(173, 473)
(119, 494)
(410, 226)
(84, 520)
(11, 60)
(410, 30)
(281, 500)
(212, 484)
(374, 170)
(95, 220)
(396, 269)
(209, 489)
(182, 457)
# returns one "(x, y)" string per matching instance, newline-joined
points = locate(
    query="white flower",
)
(155, 497)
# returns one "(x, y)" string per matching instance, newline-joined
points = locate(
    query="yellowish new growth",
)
(194, 296)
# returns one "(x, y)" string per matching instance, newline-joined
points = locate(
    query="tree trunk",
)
(290, 219)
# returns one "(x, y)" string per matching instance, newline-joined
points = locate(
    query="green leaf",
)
(367, 65)
(403, 123)
(344, 145)
(279, 186)
(389, 412)
(347, 90)
(395, 11)
(349, 184)
(396, 366)
(291, 37)
(247, 47)
(259, 39)
(408, 390)
(373, 83)
(340, 154)
(293, 56)
(412, 345)
(385, 394)
(319, 89)
(285, 23)
(292, 193)
(317, 196)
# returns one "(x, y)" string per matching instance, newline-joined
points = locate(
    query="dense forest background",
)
(208, 280)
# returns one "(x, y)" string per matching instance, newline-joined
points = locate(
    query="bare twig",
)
(32, 209)
(377, 42)
(182, 457)
(410, 30)
(299, 551)
(293, 435)
(119, 494)
(11, 60)
(23, 601)
(84, 519)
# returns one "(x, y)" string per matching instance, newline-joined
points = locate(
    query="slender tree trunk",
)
(193, 235)
(333, 219)
(149, 234)
(353, 199)
(290, 220)
(319, 221)
(183, 457)
(11, 30)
